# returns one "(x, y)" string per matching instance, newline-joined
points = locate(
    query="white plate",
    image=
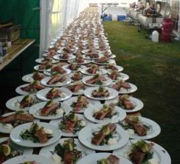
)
(85, 62)
(118, 67)
(85, 136)
(24, 158)
(21, 92)
(88, 58)
(112, 56)
(45, 55)
(4, 128)
(93, 158)
(48, 72)
(13, 103)
(58, 57)
(91, 104)
(16, 138)
(111, 61)
(37, 68)
(112, 93)
(154, 130)
(42, 94)
(101, 71)
(35, 111)
(46, 151)
(67, 65)
(159, 152)
(25, 151)
(121, 115)
(58, 84)
(138, 104)
(128, 91)
(123, 77)
(64, 134)
(40, 61)
(28, 78)
(107, 82)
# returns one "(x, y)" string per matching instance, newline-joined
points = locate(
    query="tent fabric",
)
(26, 13)
(22, 12)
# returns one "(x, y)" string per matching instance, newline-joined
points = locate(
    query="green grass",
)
(155, 69)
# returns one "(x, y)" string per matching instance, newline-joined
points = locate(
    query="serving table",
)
(15, 50)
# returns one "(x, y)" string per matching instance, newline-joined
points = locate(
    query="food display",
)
(100, 92)
(33, 87)
(50, 108)
(125, 102)
(37, 134)
(67, 152)
(71, 123)
(140, 152)
(56, 79)
(8, 151)
(73, 66)
(107, 111)
(54, 93)
(77, 76)
(58, 69)
(80, 104)
(82, 94)
(96, 79)
(121, 85)
(93, 69)
(27, 101)
(16, 119)
(105, 135)
(112, 159)
(136, 126)
(75, 87)
(37, 76)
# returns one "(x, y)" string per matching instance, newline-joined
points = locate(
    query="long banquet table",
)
(84, 36)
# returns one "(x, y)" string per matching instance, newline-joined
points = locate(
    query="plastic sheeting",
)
(58, 15)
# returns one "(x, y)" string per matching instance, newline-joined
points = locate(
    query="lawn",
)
(155, 69)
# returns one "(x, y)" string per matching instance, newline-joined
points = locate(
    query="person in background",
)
(150, 10)
(140, 6)
(132, 5)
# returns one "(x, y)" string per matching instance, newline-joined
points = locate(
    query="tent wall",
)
(67, 12)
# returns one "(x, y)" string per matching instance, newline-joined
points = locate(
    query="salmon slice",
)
(76, 87)
(139, 127)
(81, 103)
(100, 115)
(37, 76)
(47, 110)
(98, 138)
(102, 60)
(32, 86)
(41, 135)
(25, 117)
(126, 102)
(56, 79)
(53, 94)
(96, 93)
(69, 126)
(59, 69)
(95, 79)
(112, 159)
(68, 157)
(26, 102)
